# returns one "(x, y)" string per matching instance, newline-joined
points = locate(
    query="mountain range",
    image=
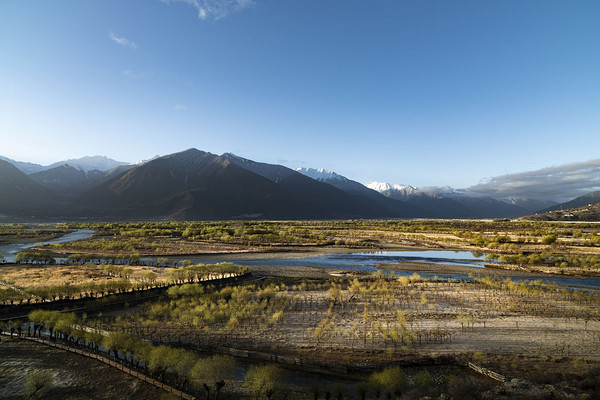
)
(198, 185)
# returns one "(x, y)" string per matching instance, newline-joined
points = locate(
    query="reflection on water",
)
(364, 261)
(367, 262)
(9, 251)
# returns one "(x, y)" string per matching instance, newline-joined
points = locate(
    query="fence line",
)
(486, 372)
(148, 292)
(113, 364)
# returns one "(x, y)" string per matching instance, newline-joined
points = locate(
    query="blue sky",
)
(419, 92)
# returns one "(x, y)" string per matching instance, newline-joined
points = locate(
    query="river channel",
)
(9, 251)
(369, 261)
(353, 261)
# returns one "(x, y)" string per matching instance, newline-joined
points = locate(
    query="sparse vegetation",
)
(342, 322)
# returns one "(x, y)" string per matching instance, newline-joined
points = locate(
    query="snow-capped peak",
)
(384, 187)
(320, 174)
(25, 167)
(443, 190)
(140, 162)
(90, 163)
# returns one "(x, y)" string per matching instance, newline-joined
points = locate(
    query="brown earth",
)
(75, 376)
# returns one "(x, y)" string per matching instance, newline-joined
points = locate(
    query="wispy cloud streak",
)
(122, 41)
(215, 9)
(137, 75)
(560, 183)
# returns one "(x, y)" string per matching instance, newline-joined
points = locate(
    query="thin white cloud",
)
(180, 107)
(215, 9)
(122, 41)
(137, 75)
(560, 183)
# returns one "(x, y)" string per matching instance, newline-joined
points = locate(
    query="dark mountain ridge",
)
(198, 185)
(20, 194)
(190, 184)
(590, 212)
(327, 197)
(581, 201)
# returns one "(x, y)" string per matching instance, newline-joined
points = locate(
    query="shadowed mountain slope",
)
(590, 212)
(193, 184)
(399, 207)
(488, 207)
(71, 182)
(577, 202)
(326, 196)
(21, 195)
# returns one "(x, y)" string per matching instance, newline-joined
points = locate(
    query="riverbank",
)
(489, 270)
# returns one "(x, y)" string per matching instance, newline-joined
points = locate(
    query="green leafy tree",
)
(38, 383)
(391, 381)
(214, 371)
(158, 360)
(264, 381)
(183, 363)
(549, 239)
(423, 380)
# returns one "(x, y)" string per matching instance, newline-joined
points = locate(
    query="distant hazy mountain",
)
(448, 202)
(439, 206)
(67, 181)
(482, 207)
(486, 206)
(197, 185)
(89, 163)
(325, 196)
(85, 164)
(25, 167)
(21, 195)
(529, 205)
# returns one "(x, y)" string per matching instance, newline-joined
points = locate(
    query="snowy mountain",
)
(89, 163)
(396, 191)
(358, 189)
(309, 192)
(339, 193)
(140, 162)
(443, 190)
(25, 167)
(85, 164)
(452, 203)
(439, 205)
(321, 174)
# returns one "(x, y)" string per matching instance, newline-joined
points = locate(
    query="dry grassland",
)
(36, 276)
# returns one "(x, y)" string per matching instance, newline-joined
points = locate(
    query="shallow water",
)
(9, 251)
(361, 261)
(367, 262)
